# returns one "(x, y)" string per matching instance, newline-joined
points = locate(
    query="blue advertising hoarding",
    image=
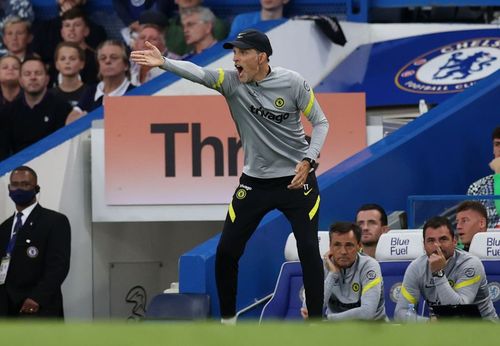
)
(431, 67)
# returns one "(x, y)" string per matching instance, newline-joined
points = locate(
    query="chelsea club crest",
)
(451, 68)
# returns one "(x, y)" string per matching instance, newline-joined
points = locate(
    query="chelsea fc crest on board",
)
(451, 68)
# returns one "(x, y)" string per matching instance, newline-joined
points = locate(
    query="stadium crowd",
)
(85, 59)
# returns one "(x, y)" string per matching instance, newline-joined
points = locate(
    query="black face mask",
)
(22, 197)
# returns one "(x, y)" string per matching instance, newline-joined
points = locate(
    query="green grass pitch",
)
(463, 333)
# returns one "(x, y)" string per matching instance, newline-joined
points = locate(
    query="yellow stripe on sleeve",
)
(232, 213)
(371, 285)
(469, 282)
(220, 80)
(314, 209)
(408, 296)
(310, 104)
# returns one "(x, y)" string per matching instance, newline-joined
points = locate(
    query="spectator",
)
(37, 113)
(4, 139)
(75, 29)
(10, 90)
(444, 275)
(175, 32)
(149, 17)
(354, 287)
(69, 61)
(372, 220)
(471, 218)
(198, 24)
(269, 10)
(17, 36)
(130, 11)
(18, 8)
(154, 34)
(45, 44)
(114, 72)
(35, 245)
(10, 66)
(490, 185)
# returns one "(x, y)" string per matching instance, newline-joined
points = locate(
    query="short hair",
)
(35, 57)
(206, 15)
(475, 206)
(123, 48)
(496, 133)
(25, 169)
(65, 44)
(13, 19)
(373, 206)
(75, 12)
(439, 221)
(8, 55)
(343, 227)
(161, 30)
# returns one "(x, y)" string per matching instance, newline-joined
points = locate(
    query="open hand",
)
(329, 264)
(148, 57)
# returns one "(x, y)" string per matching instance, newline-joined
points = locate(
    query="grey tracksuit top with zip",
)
(356, 292)
(464, 282)
(267, 116)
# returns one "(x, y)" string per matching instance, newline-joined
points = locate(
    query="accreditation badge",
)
(4, 268)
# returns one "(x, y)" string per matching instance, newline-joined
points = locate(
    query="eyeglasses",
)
(189, 25)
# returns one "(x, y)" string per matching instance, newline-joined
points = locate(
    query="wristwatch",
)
(438, 274)
(312, 162)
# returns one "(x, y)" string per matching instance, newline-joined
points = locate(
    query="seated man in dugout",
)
(490, 184)
(444, 275)
(372, 219)
(354, 286)
(471, 218)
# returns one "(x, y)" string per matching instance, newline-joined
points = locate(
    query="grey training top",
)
(356, 292)
(267, 116)
(464, 282)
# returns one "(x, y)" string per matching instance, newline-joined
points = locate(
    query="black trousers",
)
(253, 199)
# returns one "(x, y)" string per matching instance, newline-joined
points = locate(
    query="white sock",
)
(228, 321)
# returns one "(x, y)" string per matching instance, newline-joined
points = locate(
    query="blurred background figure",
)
(372, 219)
(270, 10)
(198, 24)
(45, 44)
(36, 113)
(69, 61)
(490, 184)
(18, 8)
(175, 40)
(10, 66)
(154, 34)
(130, 12)
(114, 72)
(17, 36)
(471, 218)
(75, 29)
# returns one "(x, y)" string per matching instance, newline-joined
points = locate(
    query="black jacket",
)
(39, 262)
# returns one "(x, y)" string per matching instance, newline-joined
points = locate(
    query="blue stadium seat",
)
(286, 301)
(486, 246)
(179, 307)
(492, 269)
(395, 251)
